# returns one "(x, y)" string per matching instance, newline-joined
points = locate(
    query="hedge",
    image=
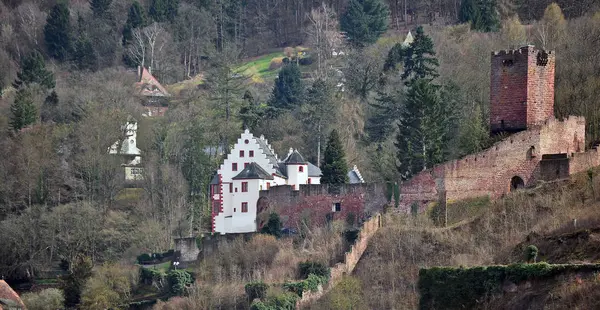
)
(285, 301)
(464, 288)
(256, 290)
(316, 268)
(154, 257)
(311, 283)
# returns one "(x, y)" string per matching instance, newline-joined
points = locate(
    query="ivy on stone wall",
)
(465, 288)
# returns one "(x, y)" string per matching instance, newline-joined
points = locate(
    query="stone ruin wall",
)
(314, 203)
(351, 258)
(489, 172)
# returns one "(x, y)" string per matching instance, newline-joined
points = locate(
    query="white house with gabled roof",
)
(250, 167)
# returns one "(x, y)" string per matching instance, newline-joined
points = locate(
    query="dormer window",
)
(300, 169)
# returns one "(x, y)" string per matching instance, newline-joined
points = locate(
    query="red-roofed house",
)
(155, 96)
(9, 299)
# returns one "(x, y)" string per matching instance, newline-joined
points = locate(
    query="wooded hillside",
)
(292, 70)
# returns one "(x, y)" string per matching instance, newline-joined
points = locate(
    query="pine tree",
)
(136, 18)
(419, 60)
(22, 112)
(57, 32)
(84, 55)
(288, 91)
(163, 10)
(482, 14)
(100, 8)
(364, 21)
(423, 127)
(425, 118)
(251, 112)
(33, 70)
(334, 168)
(490, 18)
(470, 13)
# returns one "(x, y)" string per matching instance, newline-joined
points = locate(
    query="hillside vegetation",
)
(294, 71)
(543, 217)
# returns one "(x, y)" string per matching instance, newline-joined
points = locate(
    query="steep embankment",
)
(542, 216)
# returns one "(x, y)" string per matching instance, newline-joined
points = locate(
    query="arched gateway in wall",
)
(516, 183)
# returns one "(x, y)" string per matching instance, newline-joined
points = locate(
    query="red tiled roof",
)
(148, 85)
(7, 293)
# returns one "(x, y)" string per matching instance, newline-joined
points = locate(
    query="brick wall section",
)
(508, 92)
(315, 202)
(522, 89)
(581, 162)
(488, 173)
(351, 258)
(540, 86)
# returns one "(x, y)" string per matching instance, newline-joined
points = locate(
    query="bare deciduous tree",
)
(323, 35)
(31, 21)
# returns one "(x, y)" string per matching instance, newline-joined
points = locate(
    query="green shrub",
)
(144, 258)
(273, 226)
(285, 301)
(311, 283)
(531, 252)
(464, 288)
(297, 288)
(316, 268)
(179, 280)
(351, 235)
(151, 276)
(256, 290)
(305, 61)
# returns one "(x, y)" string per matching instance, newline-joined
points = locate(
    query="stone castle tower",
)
(522, 89)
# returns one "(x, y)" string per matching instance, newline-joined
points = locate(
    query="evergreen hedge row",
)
(464, 288)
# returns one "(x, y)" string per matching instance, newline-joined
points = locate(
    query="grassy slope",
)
(389, 269)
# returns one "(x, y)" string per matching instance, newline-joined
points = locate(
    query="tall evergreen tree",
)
(136, 18)
(57, 32)
(251, 111)
(422, 129)
(364, 21)
(84, 54)
(33, 70)
(482, 14)
(334, 168)
(419, 60)
(470, 13)
(288, 91)
(100, 8)
(490, 18)
(163, 10)
(425, 118)
(22, 111)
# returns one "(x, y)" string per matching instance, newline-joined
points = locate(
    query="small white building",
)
(128, 150)
(250, 167)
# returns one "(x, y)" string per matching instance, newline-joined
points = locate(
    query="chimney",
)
(150, 70)
(139, 73)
